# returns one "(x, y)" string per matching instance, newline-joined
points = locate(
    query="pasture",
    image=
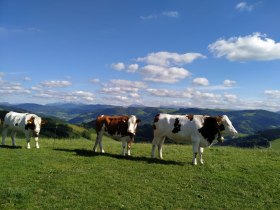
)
(66, 174)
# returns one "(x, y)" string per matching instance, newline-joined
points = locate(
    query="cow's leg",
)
(4, 135)
(37, 142)
(98, 141)
(129, 143)
(195, 147)
(123, 145)
(27, 136)
(200, 155)
(154, 145)
(160, 144)
(13, 135)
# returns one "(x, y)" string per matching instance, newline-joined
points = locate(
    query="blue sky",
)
(192, 53)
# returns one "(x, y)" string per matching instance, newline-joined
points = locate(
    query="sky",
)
(173, 53)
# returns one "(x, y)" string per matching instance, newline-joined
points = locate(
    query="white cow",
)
(29, 124)
(199, 130)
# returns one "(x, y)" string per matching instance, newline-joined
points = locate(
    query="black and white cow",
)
(199, 130)
(29, 124)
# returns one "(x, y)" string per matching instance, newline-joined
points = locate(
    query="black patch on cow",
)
(16, 124)
(177, 126)
(221, 127)
(156, 119)
(210, 129)
(30, 126)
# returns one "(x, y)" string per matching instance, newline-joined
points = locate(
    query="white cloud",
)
(95, 80)
(133, 68)
(2, 74)
(27, 79)
(8, 31)
(229, 83)
(272, 93)
(127, 83)
(7, 88)
(244, 6)
(201, 81)
(56, 83)
(118, 66)
(252, 47)
(162, 74)
(230, 97)
(188, 93)
(169, 14)
(123, 88)
(168, 58)
(75, 96)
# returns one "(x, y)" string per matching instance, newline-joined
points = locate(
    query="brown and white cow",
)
(199, 130)
(29, 124)
(119, 127)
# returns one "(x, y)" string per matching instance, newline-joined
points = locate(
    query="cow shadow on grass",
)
(10, 147)
(90, 153)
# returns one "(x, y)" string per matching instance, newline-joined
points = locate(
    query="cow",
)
(119, 127)
(29, 124)
(199, 130)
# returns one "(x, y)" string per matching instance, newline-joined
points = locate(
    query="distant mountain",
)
(65, 111)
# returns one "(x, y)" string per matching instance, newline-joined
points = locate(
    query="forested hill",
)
(247, 122)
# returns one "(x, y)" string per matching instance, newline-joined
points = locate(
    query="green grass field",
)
(65, 174)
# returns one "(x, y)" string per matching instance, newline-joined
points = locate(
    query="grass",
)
(66, 174)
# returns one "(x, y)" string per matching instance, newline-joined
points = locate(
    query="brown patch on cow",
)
(129, 144)
(113, 125)
(190, 117)
(156, 119)
(30, 124)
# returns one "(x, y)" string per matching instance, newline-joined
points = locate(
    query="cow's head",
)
(228, 127)
(132, 124)
(34, 123)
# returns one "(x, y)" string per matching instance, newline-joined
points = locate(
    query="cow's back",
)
(179, 128)
(14, 119)
(113, 125)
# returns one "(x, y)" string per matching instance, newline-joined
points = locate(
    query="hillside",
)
(246, 122)
(68, 175)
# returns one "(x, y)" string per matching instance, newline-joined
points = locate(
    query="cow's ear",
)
(31, 120)
(138, 121)
(43, 122)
